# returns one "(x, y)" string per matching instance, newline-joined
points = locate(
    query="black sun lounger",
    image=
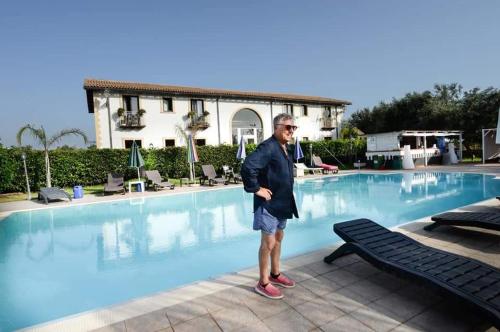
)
(488, 220)
(466, 279)
(52, 193)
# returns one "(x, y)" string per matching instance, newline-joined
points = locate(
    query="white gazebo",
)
(389, 144)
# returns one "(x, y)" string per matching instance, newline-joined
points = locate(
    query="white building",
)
(150, 114)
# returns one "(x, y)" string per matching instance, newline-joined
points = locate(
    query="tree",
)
(446, 107)
(46, 142)
(348, 132)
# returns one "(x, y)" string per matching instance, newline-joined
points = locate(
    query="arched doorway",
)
(247, 123)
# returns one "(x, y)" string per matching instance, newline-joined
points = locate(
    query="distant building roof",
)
(422, 133)
(91, 85)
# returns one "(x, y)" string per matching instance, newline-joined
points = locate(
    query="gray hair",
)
(281, 117)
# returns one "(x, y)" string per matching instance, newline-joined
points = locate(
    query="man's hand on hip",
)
(264, 193)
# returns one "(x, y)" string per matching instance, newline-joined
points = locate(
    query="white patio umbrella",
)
(241, 154)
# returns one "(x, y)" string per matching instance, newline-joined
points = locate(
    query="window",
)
(168, 105)
(302, 110)
(197, 106)
(131, 104)
(305, 139)
(328, 138)
(129, 142)
(200, 142)
(288, 109)
(328, 111)
(169, 142)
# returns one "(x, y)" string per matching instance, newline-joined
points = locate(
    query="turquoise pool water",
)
(62, 261)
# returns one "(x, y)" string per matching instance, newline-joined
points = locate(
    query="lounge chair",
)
(463, 278)
(115, 184)
(155, 179)
(317, 162)
(52, 193)
(210, 176)
(311, 170)
(489, 220)
(230, 174)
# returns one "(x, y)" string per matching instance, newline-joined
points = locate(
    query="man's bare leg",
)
(267, 245)
(276, 252)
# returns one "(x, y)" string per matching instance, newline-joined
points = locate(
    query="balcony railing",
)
(199, 122)
(131, 121)
(328, 124)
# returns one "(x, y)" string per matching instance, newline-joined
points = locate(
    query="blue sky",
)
(362, 51)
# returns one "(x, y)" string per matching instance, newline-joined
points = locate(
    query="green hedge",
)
(71, 167)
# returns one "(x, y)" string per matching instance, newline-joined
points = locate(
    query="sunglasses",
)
(288, 127)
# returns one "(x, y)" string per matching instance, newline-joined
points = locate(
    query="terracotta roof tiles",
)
(99, 85)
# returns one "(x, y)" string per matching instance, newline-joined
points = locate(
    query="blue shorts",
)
(266, 222)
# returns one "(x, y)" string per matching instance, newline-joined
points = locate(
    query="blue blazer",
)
(269, 167)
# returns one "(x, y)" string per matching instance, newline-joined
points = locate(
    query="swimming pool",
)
(60, 261)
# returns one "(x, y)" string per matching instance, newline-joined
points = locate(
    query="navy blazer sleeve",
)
(253, 165)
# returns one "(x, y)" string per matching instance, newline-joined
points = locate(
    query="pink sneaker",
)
(283, 281)
(269, 291)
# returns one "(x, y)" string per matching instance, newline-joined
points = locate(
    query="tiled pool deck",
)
(349, 295)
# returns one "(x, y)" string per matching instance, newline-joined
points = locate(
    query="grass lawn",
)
(94, 190)
(13, 197)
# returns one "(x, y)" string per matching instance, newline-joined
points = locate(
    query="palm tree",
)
(41, 138)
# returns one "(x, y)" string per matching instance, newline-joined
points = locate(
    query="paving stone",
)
(235, 318)
(362, 269)
(322, 267)
(388, 281)
(289, 320)
(408, 328)
(257, 327)
(369, 290)
(117, 327)
(346, 260)
(153, 321)
(319, 311)
(345, 323)
(300, 273)
(204, 323)
(168, 329)
(342, 277)
(185, 311)
(426, 297)
(297, 295)
(320, 285)
(229, 298)
(264, 307)
(346, 300)
(375, 319)
(401, 306)
(437, 320)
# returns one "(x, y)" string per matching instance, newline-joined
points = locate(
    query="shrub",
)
(71, 167)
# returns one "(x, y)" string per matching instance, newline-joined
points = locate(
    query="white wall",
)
(161, 125)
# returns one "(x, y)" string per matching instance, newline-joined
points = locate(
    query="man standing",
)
(268, 173)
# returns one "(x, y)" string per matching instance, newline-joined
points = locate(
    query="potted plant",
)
(141, 112)
(120, 111)
(192, 115)
(205, 113)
